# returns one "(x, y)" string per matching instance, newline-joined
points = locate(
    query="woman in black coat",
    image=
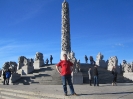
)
(4, 76)
(114, 72)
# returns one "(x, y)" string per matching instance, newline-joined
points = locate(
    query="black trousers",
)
(90, 82)
(4, 81)
(114, 79)
(7, 81)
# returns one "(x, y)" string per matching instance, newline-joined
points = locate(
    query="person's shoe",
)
(112, 84)
(74, 94)
(65, 94)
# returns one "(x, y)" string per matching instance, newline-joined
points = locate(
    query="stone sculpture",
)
(127, 67)
(39, 56)
(6, 66)
(113, 61)
(65, 37)
(21, 62)
(78, 69)
(99, 56)
(21, 59)
(13, 66)
(72, 58)
(100, 62)
(39, 61)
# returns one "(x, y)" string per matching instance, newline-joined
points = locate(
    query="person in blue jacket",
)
(8, 75)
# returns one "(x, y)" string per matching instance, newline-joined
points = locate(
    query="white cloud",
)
(119, 44)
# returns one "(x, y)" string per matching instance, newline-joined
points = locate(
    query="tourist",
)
(95, 73)
(51, 58)
(8, 75)
(65, 68)
(114, 72)
(92, 62)
(86, 59)
(4, 76)
(90, 75)
(47, 61)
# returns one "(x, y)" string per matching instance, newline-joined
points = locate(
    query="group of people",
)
(95, 74)
(6, 76)
(47, 61)
(92, 62)
(65, 68)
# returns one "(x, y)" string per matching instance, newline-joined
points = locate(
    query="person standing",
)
(95, 73)
(114, 72)
(86, 59)
(51, 58)
(4, 76)
(90, 75)
(65, 68)
(47, 61)
(8, 75)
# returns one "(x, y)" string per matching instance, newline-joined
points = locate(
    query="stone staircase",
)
(20, 94)
(105, 76)
(46, 75)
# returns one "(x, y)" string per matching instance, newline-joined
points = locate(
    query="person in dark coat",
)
(4, 76)
(51, 58)
(86, 59)
(95, 73)
(90, 75)
(8, 75)
(114, 72)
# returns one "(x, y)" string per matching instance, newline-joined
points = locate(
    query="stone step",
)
(6, 96)
(20, 94)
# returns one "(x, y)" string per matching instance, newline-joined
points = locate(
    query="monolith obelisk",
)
(65, 37)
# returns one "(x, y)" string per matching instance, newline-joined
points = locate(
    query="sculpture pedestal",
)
(14, 77)
(25, 70)
(77, 78)
(38, 64)
(128, 75)
(101, 63)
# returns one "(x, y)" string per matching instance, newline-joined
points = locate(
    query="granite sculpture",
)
(100, 62)
(39, 61)
(65, 37)
(113, 61)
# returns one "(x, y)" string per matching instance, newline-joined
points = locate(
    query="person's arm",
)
(57, 68)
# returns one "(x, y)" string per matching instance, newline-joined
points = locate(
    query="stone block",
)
(38, 64)
(101, 63)
(77, 78)
(128, 75)
(25, 70)
(14, 77)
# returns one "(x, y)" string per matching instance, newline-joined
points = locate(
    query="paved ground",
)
(104, 91)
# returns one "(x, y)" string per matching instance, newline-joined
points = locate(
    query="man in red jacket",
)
(65, 68)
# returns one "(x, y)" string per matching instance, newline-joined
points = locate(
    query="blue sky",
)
(30, 26)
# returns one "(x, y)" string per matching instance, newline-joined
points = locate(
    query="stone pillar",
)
(65, 37)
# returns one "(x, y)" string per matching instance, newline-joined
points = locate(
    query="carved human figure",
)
(73, 59)
(6, 66)
(26, 62)
(78, 69)
(31, 61)
(21, 59)
(13, 66)
(113, 61)
(39, 56)
(99, 56)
